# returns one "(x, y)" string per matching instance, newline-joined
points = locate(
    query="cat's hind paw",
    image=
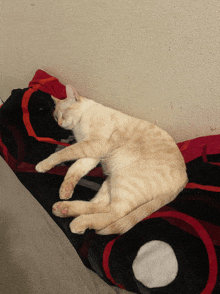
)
(67, 188)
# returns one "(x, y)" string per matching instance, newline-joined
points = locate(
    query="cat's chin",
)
(67, 127)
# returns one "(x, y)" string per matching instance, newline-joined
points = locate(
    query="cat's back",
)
(138, 143)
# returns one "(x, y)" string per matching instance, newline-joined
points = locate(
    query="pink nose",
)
(60, 121)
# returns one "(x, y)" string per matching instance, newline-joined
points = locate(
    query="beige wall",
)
(157, 60)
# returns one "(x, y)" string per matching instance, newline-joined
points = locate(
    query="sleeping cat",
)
(144, 167)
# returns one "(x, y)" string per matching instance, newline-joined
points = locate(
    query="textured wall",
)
(157, 60)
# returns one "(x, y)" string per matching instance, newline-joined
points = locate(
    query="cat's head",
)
(68, 112)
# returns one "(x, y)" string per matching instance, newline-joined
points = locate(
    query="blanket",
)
(35, 255)
(175, 250)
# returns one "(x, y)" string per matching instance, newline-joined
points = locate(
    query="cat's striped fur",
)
(144, 166)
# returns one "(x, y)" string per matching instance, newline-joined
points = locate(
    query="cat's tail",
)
(128, 221)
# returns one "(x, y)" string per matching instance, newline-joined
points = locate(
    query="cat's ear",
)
(71, 93)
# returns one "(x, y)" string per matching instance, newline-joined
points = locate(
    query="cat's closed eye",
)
(58, 114)
(65, 114)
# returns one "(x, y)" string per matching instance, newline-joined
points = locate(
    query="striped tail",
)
(128, 221)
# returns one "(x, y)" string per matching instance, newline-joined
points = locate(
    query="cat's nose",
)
(60, 121)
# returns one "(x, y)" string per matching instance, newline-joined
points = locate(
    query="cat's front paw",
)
(42, 166)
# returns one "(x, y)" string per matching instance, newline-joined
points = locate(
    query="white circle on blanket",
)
(155, 264)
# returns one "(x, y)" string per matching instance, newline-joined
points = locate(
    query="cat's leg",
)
(126, 195)
(120, 205)
(149, 206)
(110, 204)
(96, 221)
(83, 149)
(75, 208)
(76, 171)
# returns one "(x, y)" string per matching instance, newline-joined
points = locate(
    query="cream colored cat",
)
(144, 166)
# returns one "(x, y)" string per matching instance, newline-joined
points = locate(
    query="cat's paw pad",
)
(61, 209)
(66, 189)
